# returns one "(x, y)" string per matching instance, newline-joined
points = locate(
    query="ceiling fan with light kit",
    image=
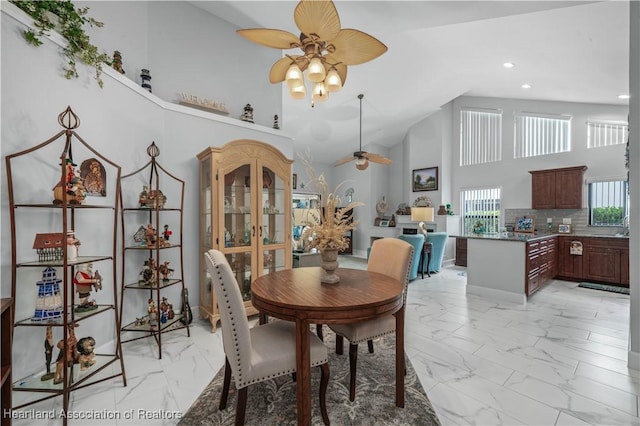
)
(327, 50)
(361, 157)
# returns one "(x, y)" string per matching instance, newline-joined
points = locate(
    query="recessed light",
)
(526, 86)
(508, 65)
(623, 96)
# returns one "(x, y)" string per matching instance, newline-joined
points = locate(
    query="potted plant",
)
(69, 21)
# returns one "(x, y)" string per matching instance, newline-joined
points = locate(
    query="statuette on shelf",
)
(84, 281)
(72, 246)
(247, 115)
(73, 185)
(86, 356)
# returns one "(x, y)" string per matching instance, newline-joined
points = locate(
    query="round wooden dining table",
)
(298, 295)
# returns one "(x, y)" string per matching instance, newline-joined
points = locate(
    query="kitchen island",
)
(512, 266)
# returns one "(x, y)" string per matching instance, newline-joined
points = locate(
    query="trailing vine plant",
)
(71, 26)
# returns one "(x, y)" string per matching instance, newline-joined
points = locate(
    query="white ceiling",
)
(572, 51)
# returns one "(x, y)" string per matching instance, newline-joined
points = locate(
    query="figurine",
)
(165, 271)
(145, 76)
(117, 62)
(85, 280)
(73, 185)
(166, 234)
(150, 236)
(48, 352)
(142, 198)
(170, 313)
(86, 357)
(67, 358)
(153, 314)
(247, 115)
(150, 272)
(276, 125)
(72, 246)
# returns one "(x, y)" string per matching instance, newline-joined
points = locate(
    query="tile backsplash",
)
(579, 220)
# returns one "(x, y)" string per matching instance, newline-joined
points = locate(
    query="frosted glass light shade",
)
(362, 163)
(316, 72)
(298, 92)
(294, 76)
(333, 81)
(320, 92)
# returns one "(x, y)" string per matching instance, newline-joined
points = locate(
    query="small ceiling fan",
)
(361, 157)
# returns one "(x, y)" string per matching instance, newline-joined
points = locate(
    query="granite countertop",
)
(518, 236)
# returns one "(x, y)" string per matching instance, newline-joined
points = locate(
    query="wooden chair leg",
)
(324, 383)
(241, 406)
(319, 332)
(339, 344)
(353, 360)
(225, 385)
(370, 346)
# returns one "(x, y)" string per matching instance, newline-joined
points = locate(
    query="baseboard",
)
(491, 293)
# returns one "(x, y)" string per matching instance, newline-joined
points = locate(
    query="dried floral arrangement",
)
(335, 221)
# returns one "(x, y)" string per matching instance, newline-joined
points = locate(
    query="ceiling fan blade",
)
(341, 67)
(279, 69)
(317, 17)
(376, 158)
(278, 39)
(354, 47)
(344, 160)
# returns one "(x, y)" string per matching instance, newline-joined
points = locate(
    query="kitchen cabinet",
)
(541, 265)
(557, 188)
(603, 259)
(245, 212)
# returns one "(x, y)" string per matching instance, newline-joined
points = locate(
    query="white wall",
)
(120, 121)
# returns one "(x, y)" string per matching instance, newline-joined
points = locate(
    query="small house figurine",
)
(50, 247)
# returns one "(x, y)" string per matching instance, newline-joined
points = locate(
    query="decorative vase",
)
(329, 265)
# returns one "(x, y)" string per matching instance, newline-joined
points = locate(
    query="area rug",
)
(274, 402)
(604, 287)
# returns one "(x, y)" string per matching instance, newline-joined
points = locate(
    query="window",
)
(480, 210)
(606, 133)
(541, 134)
(480, 136)
(608, 203)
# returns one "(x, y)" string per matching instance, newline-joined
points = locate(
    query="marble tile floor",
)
(558, 360)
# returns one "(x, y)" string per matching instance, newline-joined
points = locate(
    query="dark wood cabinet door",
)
(543, 190)
(624, 266)
(569, 185)
(461, 252)
(569, 265)
(602, 264)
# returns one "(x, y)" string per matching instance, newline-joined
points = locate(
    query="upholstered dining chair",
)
(260, 353)
(391, 257)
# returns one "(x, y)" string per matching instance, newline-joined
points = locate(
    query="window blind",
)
(482, 206)
(480, 136)
(601, 133)
(540, 134)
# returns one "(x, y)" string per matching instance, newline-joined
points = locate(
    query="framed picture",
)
(294, 184)
(564, 229)
(384, 222)
(425, 179)
(525, 224)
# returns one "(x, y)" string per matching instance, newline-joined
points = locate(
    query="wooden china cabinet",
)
(245, 212)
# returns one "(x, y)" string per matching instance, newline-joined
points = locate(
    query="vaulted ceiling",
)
(575, 51)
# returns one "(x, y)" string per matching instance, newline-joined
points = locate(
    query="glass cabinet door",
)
(206, 225)
(273, 229)
(237, 229)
